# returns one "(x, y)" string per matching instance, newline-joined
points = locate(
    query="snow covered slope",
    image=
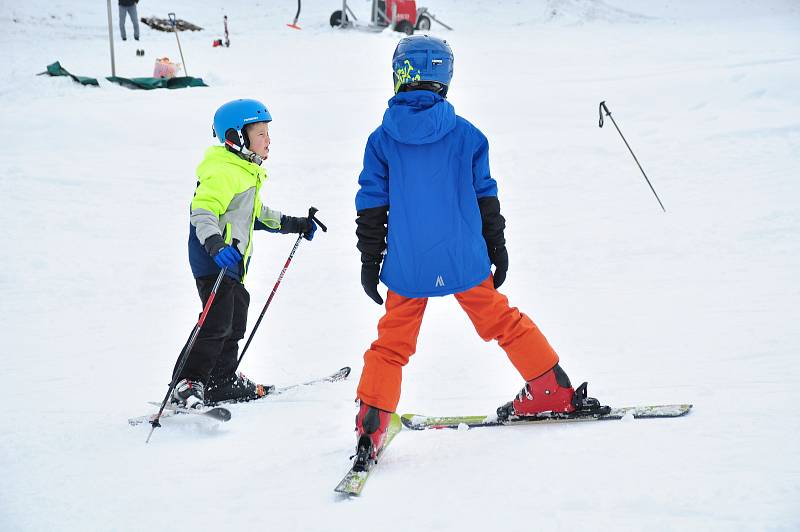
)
(696, 305)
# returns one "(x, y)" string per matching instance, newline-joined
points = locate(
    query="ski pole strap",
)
(608, 113)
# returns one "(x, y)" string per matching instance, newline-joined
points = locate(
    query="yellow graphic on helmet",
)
(403, 75)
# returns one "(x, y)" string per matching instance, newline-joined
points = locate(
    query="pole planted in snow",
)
(174, 21)
(608, 114)
(294, 25)
(111, 39)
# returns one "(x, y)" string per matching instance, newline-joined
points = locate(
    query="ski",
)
(333, 377)
(223, 414)
(138, 420)
(274, 390)
(215, 413)
(353, 482)
(419, 422)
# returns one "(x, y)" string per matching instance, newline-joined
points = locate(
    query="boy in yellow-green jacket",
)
(225, 211)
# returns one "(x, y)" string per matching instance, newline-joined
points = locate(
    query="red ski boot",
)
(551, 395)
(371, 425)
(551, 392)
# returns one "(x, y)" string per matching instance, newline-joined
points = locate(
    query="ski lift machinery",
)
(400, 15)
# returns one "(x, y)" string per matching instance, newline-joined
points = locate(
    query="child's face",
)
(258, 135)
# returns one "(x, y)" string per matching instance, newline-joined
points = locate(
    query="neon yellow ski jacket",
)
(227, 203)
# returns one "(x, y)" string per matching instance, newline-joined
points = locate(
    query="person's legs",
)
(381, 379)
(229, 354)
(520, 338)
(225, 383)
(383, 362)
(216, 329)
(135, 19)
(547, 387)
(122, 12)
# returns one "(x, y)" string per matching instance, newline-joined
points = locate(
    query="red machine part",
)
(406, 10)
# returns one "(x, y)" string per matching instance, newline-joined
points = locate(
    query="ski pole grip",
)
(312, 211)
(608, 113)
(172, 19)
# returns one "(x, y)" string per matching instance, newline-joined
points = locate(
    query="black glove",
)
(371, 233)
(301, 225)
(214, 244)
(493, 228)
(499, 257)
(370, 272)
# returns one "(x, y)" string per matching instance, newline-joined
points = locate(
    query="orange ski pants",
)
(488, 309)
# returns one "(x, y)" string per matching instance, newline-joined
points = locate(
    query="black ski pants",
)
(216, 351)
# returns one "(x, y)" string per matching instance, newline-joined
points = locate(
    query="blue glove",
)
(227, 257)
(309, 234)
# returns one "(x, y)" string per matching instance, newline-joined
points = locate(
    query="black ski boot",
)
(188, 394)
(235, 389)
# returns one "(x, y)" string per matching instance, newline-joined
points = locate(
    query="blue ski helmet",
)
(230, 119)
(420, 58)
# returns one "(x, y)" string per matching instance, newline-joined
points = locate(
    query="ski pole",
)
(174, 23)
(186, 350)
(608, 114)
(294, 25)
(311, 216)
(111, 40)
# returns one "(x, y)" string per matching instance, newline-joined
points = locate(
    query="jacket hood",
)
(418, 117)
(218, 159)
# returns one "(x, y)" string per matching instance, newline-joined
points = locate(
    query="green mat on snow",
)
(158, 83)
(182, 82)
(57, 70)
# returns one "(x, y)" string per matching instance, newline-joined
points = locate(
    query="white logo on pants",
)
(439, 281)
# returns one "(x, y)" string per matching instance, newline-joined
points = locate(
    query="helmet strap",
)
(242, 152)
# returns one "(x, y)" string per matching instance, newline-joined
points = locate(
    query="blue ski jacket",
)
(430, 167)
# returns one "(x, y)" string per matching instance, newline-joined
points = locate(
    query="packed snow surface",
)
(696, 305)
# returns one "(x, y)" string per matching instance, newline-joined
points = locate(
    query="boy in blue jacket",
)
(428, 212)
